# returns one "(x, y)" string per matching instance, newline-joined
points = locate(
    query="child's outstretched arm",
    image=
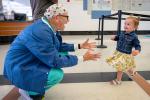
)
(137, 46)
(135, 52)
(114, 38)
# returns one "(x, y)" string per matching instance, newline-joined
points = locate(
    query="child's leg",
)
(139, 80)
(119, 75)
(117, 81)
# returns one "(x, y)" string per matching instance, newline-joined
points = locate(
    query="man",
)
(42, 46)
(38, 8)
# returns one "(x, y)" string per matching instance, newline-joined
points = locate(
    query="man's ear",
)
(56, 19)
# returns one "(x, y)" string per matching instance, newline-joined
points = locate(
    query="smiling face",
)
(131, 24)
(61, 21)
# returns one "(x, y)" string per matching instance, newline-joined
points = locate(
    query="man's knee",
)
(56, 75)
(60, 75)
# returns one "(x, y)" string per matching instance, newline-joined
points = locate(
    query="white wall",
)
(81, 21)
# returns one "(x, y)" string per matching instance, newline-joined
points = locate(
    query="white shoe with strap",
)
(115, 82)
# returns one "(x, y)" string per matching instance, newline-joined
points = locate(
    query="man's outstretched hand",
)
(88, 45)
(90, 55)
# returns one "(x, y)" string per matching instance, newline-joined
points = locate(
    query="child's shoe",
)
(115, 82)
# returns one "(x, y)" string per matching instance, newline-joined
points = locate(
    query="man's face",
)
(63, 19)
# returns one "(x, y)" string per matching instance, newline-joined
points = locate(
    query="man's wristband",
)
(79, 46)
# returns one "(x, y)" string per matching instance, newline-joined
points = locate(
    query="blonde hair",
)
(135, 20)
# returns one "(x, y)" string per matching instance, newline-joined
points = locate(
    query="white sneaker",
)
(24, 95)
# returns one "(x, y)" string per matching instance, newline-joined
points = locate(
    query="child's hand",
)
(113, 38)
(135, 52)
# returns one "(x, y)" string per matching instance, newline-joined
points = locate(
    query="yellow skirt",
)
(121, 61)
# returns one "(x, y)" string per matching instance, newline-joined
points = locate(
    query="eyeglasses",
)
(65, 16)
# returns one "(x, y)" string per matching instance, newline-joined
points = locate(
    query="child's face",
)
(129, 25)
